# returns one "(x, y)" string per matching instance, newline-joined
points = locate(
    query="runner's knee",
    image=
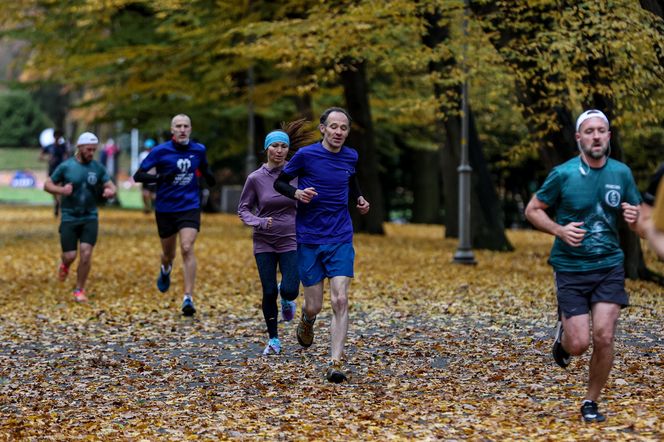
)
(187, 248)
(339, 302)
(602, 338)
(576, 346)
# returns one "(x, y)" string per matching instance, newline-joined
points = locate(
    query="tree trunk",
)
(426, 186)
(654, 6)
(450, 161)
(356, 93)
(534, 94)
(304, 107)
(487, 225)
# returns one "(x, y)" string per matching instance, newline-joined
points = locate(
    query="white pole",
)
(134, 151)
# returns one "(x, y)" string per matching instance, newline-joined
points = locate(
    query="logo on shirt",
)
(612, 198)
(92, 178)
(184, 164)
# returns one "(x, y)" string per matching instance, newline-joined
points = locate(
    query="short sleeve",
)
(58, 174)
(550, 190)
(632, 194)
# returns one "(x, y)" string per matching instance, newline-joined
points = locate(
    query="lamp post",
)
(464, 252)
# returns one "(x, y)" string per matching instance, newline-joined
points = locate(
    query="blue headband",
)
(276, 137)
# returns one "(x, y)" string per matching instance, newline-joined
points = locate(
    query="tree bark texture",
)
(356, 93)
(487, 218)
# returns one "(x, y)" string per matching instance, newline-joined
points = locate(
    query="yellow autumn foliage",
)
(436, 351)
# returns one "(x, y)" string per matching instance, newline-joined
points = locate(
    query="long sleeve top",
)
(258, 202)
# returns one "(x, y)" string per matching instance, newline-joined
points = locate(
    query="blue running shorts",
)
(316, 262)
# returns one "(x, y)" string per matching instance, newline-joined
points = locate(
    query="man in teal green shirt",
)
(80, 181)
(588, 193)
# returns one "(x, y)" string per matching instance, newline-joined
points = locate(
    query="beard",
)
(594, 154)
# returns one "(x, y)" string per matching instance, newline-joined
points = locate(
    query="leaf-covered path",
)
(436, 351)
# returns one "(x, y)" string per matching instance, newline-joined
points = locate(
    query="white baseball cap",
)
(87, 138)
(591, 113)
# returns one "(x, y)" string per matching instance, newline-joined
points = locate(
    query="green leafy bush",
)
(21, 120)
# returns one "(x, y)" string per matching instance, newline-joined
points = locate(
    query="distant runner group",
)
(302, 230)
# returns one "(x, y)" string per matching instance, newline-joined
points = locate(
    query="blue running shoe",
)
(163, 281)
(188, 308)
(273, 347)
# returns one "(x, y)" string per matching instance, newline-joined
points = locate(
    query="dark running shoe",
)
(188, 308)
(589, 412)
(163, 281)
(335, 373)
(305, 331)
(561, 357)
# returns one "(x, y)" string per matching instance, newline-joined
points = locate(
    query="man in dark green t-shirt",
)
(80, 181)
(588, 194)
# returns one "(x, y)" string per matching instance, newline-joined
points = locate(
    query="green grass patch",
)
(21, 158)
(129, 198)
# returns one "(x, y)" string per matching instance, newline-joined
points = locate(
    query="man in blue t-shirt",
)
(324, 231)
(177, 203)
(79, 181)
(588, 193)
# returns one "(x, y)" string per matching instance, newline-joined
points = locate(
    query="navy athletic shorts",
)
(577, 292)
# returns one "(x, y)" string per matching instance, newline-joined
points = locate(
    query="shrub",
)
(21, 120)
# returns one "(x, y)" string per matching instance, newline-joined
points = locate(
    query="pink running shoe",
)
(79, 295)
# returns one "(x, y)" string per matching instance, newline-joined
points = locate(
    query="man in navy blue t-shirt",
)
(326, 174)
(177, 204)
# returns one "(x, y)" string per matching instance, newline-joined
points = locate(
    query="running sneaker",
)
(163, 281)
(273, 347)
(561, 357)
(305, 331)
(335, 372)
(79, 295)
(288, 310)
(589, 412)
(63, 271)
(188, 308)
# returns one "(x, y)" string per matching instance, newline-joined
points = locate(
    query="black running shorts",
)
(71, 232)
(577, 292)
(170, 223)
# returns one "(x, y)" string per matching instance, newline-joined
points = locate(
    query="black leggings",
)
(290, 283)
